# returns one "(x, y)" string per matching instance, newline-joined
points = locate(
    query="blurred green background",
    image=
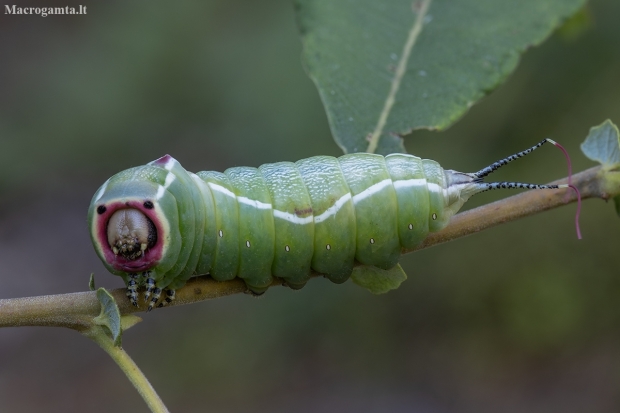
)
(522, 317)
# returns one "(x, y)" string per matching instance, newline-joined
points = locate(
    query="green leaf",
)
(385, 68)
(91, 282)
(603, 144)
(110, 316)
(376, 280)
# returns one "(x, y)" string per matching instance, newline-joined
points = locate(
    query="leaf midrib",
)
(399, 73)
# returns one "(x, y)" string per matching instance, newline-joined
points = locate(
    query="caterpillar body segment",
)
(412, 195)
(293, 223)
(226, 253)
(374, 200)
(279, 220)
(333, 251)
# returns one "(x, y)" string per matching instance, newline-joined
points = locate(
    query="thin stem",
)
(131, 370)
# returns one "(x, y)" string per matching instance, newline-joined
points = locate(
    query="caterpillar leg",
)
(294, 287)
(132, 289)
(150, 286)
(170, 296)
(155, 299)
(254, 293)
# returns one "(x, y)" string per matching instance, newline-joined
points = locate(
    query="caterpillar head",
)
(130, 219)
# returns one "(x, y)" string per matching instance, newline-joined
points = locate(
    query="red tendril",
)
(570, 185)
(578, 210)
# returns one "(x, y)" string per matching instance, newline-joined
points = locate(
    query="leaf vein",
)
(415, 31)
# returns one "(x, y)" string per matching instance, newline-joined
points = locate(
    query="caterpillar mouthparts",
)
(130, 233)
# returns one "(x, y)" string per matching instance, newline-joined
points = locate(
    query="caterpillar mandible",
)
(157, 225)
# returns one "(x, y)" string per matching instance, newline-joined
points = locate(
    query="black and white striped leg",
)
(156, 295)
(150, 286)
(132, 289)
(170, 296)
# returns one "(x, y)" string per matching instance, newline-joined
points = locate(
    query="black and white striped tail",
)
(496, 165)
(479, 186)
(487, 186)
(518, 185)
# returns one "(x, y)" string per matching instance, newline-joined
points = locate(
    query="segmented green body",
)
(279, 220)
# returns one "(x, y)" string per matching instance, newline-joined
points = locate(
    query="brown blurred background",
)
(519, 318)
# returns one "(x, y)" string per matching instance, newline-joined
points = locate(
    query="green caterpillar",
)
(157, 225)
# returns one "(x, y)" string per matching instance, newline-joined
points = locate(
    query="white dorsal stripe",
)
(221, 189)
(101, 190)
(170, 164)
(371, 190)
(329, 212)
(241, 199)
(333, 210)
(260, 205)
(169, 179)
(255, 204)
(434, 187)
(196, 178)
(160, 192)
(407, 183)
(292, 218)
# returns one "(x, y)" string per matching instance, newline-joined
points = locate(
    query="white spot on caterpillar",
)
(371, 190)
(328, 247)
(221, 189)
(333, 210)
(434, 216)
(101, 190)
(221, 233)
(247, 244)
(287, 248)
(372, 240)
(410, 226)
